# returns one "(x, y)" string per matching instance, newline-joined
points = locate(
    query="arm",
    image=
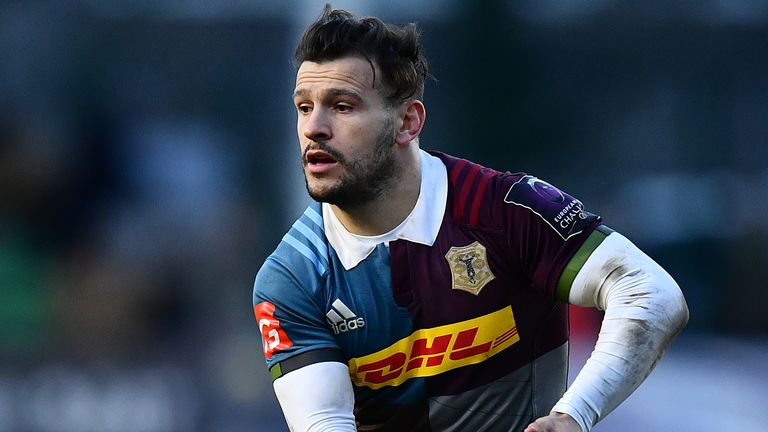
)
(644, 311)
(317, 398)
(310, 376)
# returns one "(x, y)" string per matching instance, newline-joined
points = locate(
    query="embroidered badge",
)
(469, 268)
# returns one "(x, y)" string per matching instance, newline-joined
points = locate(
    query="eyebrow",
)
(334, 92)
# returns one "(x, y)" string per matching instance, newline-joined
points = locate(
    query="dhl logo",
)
(432, 351)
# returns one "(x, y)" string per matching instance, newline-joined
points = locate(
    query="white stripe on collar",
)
(421, 225)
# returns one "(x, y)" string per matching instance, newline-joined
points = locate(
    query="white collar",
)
(421, 225)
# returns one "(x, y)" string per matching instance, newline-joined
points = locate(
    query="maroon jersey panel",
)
(497, 247)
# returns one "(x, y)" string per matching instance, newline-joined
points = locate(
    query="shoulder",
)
(493, 199)
(299, 261)
(471, 187)
(475, 192)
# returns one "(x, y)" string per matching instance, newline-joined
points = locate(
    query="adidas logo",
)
(342, 319)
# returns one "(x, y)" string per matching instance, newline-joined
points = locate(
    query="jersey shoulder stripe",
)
(307, 237)
(301, 260)
(459, 209)
(469, 182)
(482, 184)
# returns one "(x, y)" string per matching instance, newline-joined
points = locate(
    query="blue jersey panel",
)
(288, 292)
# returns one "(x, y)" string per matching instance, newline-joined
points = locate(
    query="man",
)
(422, 292)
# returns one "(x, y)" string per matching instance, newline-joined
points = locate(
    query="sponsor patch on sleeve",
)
(274, 337)
(564, 213)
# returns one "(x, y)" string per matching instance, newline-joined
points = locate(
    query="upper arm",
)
(317, 398)
(617, 273)
(577, 262)
(290, 319)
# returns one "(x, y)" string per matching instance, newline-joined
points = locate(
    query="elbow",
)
(665, 310)
(675, 309)
(680, 314)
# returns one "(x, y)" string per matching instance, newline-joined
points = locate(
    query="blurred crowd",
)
(129, 255)
(148, 166)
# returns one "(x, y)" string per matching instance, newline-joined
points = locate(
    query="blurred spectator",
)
(26, 180)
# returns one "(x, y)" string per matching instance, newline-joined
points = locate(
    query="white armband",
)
(644, 311)
(317, 398)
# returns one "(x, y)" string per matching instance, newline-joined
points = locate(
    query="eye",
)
(304, 108)
(343, 107)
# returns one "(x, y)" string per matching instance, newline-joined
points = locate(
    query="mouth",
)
(319, 161)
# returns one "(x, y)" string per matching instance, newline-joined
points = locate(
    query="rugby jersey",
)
(458, 323)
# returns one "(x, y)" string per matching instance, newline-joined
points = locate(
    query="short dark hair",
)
(395, 50)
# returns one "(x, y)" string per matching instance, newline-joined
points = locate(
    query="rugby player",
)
(424, 292)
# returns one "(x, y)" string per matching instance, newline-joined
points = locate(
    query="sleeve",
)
(317, 398)
(545, 228)
(291, 322)
(644, 311)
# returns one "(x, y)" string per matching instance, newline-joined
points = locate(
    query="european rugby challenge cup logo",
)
(469, 268)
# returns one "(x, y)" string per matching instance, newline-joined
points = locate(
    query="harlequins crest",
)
(469, 268)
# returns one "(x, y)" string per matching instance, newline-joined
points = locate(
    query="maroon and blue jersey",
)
(468, 333)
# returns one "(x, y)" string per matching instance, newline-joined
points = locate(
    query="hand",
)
(554, 422)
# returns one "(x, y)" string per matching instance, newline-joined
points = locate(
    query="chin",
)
(334, 196)
(321, 193)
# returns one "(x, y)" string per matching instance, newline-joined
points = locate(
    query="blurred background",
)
(148, 165)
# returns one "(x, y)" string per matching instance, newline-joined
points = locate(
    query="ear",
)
(413, 114)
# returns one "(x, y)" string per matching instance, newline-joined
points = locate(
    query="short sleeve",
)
(545, 228)
(290, 319)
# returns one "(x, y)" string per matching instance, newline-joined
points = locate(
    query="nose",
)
(316, 126)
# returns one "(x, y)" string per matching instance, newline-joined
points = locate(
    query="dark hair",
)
(395, 50)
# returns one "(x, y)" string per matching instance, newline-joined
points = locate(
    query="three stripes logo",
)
(342, 319)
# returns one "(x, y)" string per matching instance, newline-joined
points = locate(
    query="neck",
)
(385, 212)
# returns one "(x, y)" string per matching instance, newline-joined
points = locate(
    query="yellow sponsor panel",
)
(432, 351)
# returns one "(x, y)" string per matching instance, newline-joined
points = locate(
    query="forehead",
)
(354, 73)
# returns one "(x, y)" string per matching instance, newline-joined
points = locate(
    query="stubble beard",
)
(364, 178)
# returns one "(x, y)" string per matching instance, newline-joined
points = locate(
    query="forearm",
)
(317, 398)
(644, 311)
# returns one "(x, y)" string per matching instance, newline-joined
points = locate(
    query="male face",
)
(346, 131)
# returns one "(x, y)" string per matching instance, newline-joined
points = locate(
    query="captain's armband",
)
(304, 359)
(577, 262)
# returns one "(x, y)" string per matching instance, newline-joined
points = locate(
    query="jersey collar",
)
(421, 226)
